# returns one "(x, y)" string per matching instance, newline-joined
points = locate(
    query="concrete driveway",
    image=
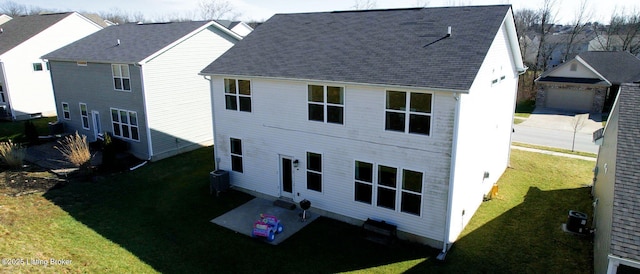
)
(554, 128)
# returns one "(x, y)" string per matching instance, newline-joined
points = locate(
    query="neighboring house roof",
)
(616, 67)
(98, 20)
(129, 43)
(405, 47)
(4, 18)
(21, 28)
(626, 203)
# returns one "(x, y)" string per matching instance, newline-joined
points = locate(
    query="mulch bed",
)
(28, 181)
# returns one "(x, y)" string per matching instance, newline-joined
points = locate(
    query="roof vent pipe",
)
(449, 31)
(117, 42)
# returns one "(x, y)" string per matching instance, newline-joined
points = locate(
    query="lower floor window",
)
(125, 124)
(314, 171)
(236, 155)
(389, 188)
(84, 115)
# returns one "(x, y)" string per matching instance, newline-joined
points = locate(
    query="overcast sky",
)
(260, 10)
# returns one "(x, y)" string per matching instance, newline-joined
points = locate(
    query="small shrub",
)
(76, 149)
(12, 154)
(31, 133)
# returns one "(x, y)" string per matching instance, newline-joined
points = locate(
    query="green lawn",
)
(555, 149)
(15, 130)
(156, 219)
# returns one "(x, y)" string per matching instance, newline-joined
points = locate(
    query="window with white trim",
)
(326, 104)
(125, 124)
(314, 171)
(379, 183)
(84, 115)
(66, 113)
(237, 94)
(236, 155)
(37, 66)
(2, 98)
(121, 77)
(408, 112)
(411, 197)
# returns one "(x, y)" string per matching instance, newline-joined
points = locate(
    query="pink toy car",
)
(268, 226)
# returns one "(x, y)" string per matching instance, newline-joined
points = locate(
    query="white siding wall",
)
(603, 190)
(485, 125)
(278, 125)
(31, 91)
(177, 98)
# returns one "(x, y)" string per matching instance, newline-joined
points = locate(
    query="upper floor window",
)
(408, 112)
(121, 77)
(326, 104)
(237, 94)
(125, 124)
(37, 66)
(2, 99)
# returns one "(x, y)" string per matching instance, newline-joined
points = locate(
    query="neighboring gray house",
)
(616, 187)
(588, 83)
(140, 83)
(401, 115)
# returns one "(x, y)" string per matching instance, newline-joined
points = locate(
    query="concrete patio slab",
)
(241, 219)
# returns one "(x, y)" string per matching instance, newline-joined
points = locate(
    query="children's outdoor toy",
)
(267, 226)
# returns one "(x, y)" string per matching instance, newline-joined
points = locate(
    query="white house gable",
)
(575, 69)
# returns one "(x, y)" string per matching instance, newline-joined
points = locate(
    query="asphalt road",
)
(554, 138)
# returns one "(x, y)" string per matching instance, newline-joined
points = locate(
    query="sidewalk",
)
(555, 153)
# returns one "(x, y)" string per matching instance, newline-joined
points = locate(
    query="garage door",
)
(570, 99)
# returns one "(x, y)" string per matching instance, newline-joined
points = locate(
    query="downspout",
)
(213, 120)
(146, 116)
(452, 171)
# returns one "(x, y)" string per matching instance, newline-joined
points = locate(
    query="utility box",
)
(577, 222)
(218, 181)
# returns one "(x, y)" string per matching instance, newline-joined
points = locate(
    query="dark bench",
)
(380, 231)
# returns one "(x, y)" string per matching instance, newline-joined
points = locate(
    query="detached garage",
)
(587, 84)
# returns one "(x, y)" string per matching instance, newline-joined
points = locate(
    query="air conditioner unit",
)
(577, 222)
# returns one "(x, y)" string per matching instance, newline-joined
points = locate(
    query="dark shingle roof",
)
(617, 66)
(137, 42)
(375, 46)
(625, 233)
(21, 28)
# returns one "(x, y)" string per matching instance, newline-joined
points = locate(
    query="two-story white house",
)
(399, 115)
(25, 82)
(140, 83)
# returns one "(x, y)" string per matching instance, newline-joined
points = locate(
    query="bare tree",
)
(364, 4)
(577, 123)
(422, 3)
(547, 18)
(621, 34)
(13, 9)
(217, 9)
(119, 16)
(582, 16)
(526, 20)
(453, 3)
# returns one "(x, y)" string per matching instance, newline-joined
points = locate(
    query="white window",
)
(66, 114)
(314, 171)
(237, 94)
(121, 78)
(84, 115)
(381, 182)
(2, 98)
(408, 112)
(125, 124)
(326, 104)
(236, 155)
(37, 66)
